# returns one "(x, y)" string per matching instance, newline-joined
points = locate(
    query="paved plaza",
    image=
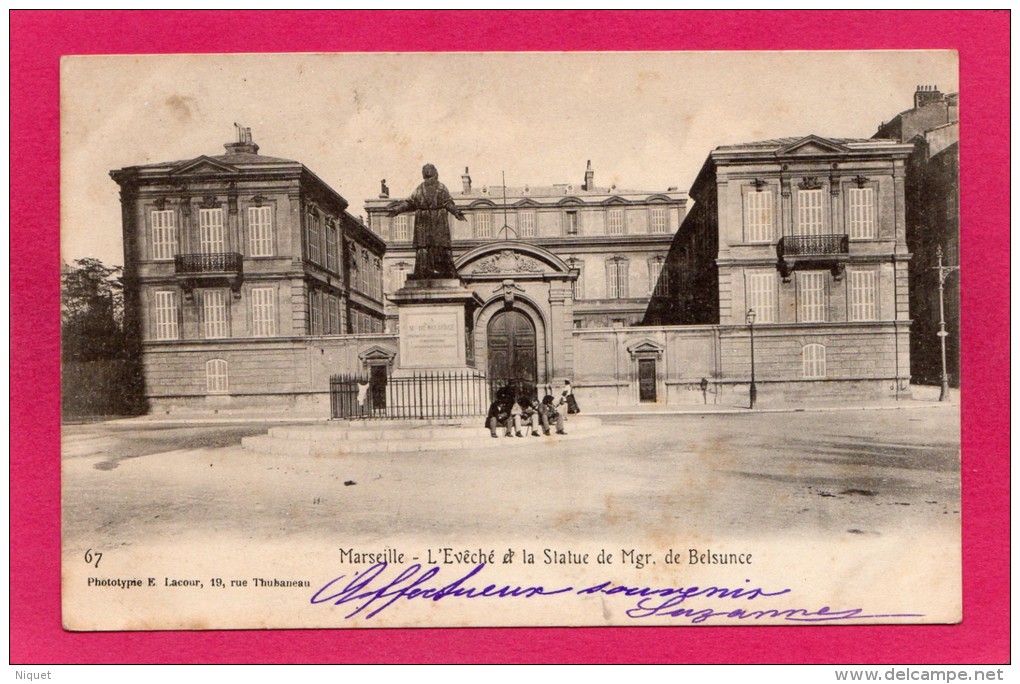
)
(868, 472)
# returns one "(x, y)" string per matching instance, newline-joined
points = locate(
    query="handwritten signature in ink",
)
(367, 594)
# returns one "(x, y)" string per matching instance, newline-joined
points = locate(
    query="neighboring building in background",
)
(231, 264)
(616, 240)
(933, 221)
(810, 234)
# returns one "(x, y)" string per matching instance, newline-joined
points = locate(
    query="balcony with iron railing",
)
(216, 263)
(209, 270)
(813, 251)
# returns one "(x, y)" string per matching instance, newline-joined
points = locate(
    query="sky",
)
(646, 120)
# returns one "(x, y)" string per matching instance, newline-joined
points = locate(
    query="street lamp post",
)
(754, 387)
(944, 272)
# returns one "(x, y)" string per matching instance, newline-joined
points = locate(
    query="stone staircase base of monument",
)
(340, 437)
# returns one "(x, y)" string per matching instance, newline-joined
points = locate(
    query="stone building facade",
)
(932, 126)
(616, 240)
(810, 234)
(234, 266)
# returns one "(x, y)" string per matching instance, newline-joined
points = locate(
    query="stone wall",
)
(856, 361)
(275, 374)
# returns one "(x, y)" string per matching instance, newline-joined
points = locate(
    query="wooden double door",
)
(512, 351)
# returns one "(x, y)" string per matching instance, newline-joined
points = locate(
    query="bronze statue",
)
(430, 202)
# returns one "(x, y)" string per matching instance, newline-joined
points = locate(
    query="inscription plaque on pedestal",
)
(432, 336)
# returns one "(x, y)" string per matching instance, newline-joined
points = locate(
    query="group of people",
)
(515, 414)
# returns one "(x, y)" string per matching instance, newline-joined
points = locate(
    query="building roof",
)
(786, 142)
(236, 159)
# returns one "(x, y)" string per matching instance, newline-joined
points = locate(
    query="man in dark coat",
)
(430, 202)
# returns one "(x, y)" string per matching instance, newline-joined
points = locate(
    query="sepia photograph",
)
(510, 339)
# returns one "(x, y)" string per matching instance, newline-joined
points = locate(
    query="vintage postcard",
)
(510, 339)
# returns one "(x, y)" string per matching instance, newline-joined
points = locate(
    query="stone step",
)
(373, 431)
(369, 437)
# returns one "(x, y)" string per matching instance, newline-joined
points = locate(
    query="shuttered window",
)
(658, 281)
(211, 236)
(164, 234)
(813, 356)
(263, 312)
(260, 231)
(758, 213)
(165, 315)
(402, 227)
(614, 222)
(761, 295)
(332, 239)
(657, 220)
(483, 225)
(810, 218)
(617, 277)
(214, 314)
(812, 304)
(216, 376)
(526, 223)
(314, 251)
(863, 295)
(861, 213)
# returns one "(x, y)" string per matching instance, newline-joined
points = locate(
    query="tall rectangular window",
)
(333, 315)
(813, 356)
(657, 220)
(812, 306)
(758, 214)
(810, 218)
(315, 312)
(260, 231)
(614, 222)
(402, 227)
(570, 223)
(214, 314)
(211, 236)
(263, 312)
(577, 286)
(526, 223)
(617, 275)
(314, 253)
(165, 315)
(164, 234)
(761, 295)
(861, 213)
(863, 295)
(216, 376)
(483, 225)
(332, 240)
(658, 280)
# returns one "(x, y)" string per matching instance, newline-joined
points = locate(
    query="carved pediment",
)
(507, 261)
(812, 145)
(645, 347)
(376, 354)
(202, 165)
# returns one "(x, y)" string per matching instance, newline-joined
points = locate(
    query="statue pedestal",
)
(436, 321)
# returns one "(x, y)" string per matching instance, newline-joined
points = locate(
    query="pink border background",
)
(39, 39)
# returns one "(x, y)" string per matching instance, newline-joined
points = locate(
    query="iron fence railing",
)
(418, 396)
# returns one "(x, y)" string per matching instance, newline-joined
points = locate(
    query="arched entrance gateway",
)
(523, 332)
(512, 352)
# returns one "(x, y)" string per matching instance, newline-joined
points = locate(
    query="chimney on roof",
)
(466, 180)
(589, 179)
(244, 145)
(384, 190)
(926, 95)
